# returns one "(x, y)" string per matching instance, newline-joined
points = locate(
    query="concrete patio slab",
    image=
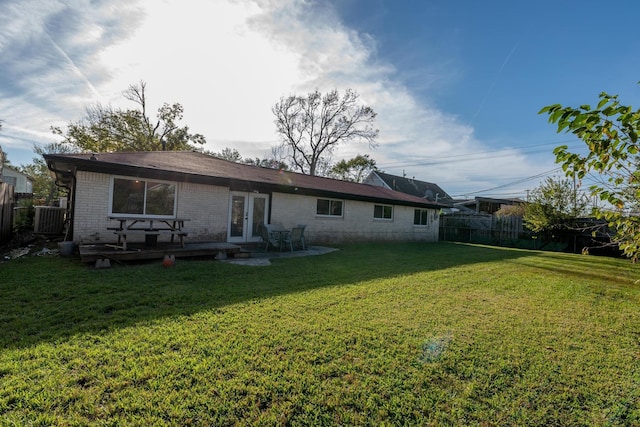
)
(264, 258)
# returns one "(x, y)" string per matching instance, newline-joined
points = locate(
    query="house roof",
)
(15, 171)
(422, 189)
(188, 166)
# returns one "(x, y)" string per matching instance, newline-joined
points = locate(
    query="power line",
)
(520, 181)
(467, 156)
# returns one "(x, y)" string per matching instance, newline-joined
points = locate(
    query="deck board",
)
(138, 251)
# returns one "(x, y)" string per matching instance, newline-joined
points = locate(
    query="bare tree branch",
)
(312, 126)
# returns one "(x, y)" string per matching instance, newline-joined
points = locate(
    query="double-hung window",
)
(382, 212)
(329, 207)
(421, 217)
(143, 197)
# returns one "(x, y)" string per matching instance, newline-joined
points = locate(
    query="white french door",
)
(247, 211)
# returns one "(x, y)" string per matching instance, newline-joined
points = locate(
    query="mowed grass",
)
(380, 334)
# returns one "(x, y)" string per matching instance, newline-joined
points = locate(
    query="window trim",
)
(429, 217)
(382, 218)
(112, 179)
(329, 215)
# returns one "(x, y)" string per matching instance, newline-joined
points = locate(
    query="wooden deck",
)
(138, 251)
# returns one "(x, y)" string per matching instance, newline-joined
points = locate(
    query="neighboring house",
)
(23, 184)
(227, 202)
(426, 190)
(485, 205)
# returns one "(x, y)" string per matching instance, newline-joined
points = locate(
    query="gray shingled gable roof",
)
(187, 166)
(426, 190)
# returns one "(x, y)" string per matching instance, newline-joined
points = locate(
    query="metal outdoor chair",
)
(302, 238)
(295, 238)
(269, 238)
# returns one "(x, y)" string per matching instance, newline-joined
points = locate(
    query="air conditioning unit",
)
(49, 220)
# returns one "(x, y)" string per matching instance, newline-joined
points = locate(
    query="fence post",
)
(6, 211)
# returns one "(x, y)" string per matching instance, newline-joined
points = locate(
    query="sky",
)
(456, 84)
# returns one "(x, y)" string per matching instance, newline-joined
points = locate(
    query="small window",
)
(421, 217)
(383, 212)
(329, 207)
(139, 197)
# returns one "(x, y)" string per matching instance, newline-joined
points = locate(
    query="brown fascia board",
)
(63, 175)
(234, 184)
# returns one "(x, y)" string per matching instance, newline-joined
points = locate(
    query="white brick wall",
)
(91, 210)
(356, 224)
(207, 207)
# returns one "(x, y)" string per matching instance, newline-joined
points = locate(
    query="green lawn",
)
(384, 334)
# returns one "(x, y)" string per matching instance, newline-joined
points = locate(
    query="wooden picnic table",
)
(147, 226)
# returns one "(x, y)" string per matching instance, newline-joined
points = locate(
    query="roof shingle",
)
(199, 167)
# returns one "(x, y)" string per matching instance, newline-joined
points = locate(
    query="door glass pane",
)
(237, 216)
(259, 205)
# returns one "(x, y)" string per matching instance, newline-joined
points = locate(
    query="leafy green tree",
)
(234, 155)
(269, 163)
(553, 205)
(107, 129)
(312, 126)
(45, 190)
(355, 169)
(512, 210)
(610, 133)
(277, 159)
(230, 154)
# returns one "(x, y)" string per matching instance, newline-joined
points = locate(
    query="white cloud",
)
(227, 63)
(412, 131)
(205, 57)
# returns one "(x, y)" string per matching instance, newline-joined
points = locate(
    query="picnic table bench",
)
(147, 228)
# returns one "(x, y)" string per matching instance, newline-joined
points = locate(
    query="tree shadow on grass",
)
(613, 270)
(49, 298)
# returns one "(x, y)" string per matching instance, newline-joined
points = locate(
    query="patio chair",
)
(302, 239)
(269, 238)
(295, 238)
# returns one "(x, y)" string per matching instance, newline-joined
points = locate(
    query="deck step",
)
(242, 253)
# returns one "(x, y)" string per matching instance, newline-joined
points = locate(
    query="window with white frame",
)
(329, 207)
(383, 212)
(142, 197)
(421, 217)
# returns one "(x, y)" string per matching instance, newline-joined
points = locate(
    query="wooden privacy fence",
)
(479, 228)
(6, 211)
